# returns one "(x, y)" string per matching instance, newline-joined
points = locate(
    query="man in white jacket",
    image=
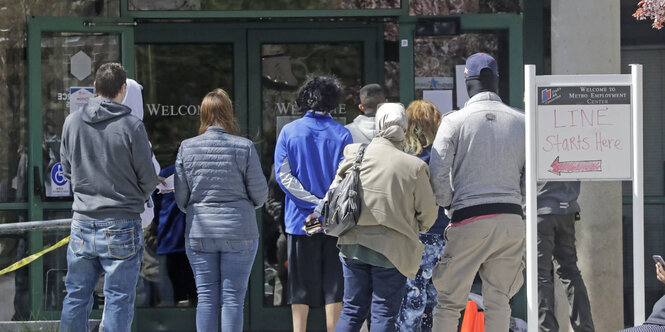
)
(477, 168)
(362, 127)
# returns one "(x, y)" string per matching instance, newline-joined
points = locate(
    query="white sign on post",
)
(583, 132)
(583, 127)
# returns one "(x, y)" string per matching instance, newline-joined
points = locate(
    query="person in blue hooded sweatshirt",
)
(307, 154)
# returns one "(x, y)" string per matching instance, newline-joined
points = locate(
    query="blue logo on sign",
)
(57, 175)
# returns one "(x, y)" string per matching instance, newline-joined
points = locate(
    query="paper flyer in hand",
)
(168, 186)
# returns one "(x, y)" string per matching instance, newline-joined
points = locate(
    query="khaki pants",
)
(493, 247)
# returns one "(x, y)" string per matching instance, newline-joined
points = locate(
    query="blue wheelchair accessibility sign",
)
(59, 186)
(57, 175)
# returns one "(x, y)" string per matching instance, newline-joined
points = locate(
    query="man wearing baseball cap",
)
(477, 167)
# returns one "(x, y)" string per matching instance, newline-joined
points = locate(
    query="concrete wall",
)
(586, 40)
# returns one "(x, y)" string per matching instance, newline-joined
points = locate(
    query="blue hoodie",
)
(307, 154)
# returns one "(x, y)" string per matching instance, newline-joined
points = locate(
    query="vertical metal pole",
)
(35, 122)
(638, 195)
(531, 198)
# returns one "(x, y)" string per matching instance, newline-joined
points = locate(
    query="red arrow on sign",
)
(575, 166)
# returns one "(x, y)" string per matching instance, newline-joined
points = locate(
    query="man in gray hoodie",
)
(362, 127)
(106, 155)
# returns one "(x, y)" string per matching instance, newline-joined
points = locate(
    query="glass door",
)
(178, 64)
(279, 62)
(63, 54)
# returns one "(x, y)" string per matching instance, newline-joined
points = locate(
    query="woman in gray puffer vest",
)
(219, 183)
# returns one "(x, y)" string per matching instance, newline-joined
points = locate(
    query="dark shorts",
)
(315, 271)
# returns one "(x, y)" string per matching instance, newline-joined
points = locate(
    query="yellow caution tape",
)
(33, 257)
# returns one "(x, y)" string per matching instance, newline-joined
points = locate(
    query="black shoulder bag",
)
(341, 209)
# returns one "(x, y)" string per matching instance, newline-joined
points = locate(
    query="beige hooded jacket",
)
(397, 202)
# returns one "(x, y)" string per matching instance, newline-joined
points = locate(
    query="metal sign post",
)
(531, 199)
(638, 195)
(583, 128)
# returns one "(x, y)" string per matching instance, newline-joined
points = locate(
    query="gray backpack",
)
(341, 208)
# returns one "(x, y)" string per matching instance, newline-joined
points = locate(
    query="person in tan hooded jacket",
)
(397, 203)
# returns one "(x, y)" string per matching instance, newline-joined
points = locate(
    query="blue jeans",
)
(115, 248)
(420, 298)
(367, 285)
(221, 271)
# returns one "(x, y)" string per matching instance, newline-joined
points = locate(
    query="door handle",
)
(37, 187)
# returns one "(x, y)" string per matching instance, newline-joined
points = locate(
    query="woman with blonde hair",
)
(219, 183)
(424, 121)
(420, 297)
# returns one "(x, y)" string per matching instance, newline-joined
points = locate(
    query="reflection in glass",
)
(391, 60)
(175, 78)
(22, 9)
(447, 7)
(13, 128)
(55, 265)
(435, 59)
(13, 121)
(260, 4)
(15, 299)
(68, 60)
(284, 68)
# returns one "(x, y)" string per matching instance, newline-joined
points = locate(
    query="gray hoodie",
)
(362, 129)
(106, 155)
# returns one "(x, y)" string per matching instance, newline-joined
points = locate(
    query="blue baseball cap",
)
(478, 62)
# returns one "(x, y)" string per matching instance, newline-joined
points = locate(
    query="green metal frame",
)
(35, 205)
(206, 33)
(468, 23)
(525, 40)
(248, 115)
(247, 38)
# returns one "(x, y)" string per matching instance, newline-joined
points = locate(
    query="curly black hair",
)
(319, 93)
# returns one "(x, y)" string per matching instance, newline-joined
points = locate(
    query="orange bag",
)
(469, 320)
(480, 322)
(474, 320)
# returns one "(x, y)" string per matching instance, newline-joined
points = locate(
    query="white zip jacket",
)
(362, 129)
